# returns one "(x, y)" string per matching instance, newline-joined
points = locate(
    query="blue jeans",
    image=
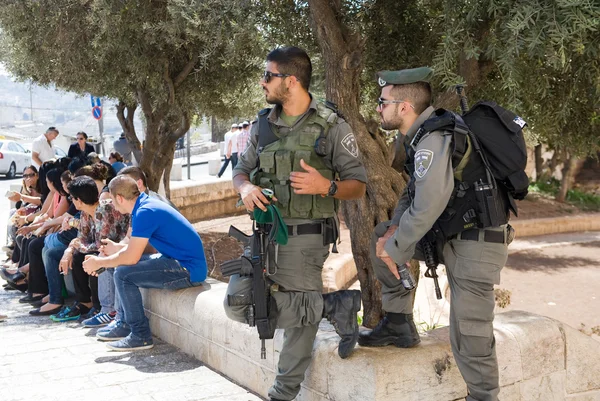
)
(152, 271)
(51, 257)
(106, 291)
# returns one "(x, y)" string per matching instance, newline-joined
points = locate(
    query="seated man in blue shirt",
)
(180, 262)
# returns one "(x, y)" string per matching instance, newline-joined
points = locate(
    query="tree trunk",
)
(342, 54)
(539, 162)
(567, 177)
(214, 130)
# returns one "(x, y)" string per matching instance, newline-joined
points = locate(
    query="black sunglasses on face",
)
(28, 175)
(268, 74)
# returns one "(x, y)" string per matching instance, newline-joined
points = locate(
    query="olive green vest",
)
(278, 159)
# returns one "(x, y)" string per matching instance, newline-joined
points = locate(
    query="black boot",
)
(340, 308)
(394, 329)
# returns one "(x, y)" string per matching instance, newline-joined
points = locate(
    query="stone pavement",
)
(40, 359)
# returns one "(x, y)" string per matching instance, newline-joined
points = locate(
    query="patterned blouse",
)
(108, 223)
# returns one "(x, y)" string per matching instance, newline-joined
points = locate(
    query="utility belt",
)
(506, 236)
(328, 227)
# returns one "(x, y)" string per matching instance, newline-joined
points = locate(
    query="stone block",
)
(544, 388)
(512, 392)
(534, 333)
(593, 396)
(583, 361)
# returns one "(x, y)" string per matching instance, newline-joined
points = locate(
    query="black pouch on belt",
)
(331, 232)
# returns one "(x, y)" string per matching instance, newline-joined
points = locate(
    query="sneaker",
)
(119, 332)
(98, 320)
(130, 344)
(61, 313)
(108, 328)
(74, 312)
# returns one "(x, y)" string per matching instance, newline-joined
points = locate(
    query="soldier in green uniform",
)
(307, 154)
(473, 258)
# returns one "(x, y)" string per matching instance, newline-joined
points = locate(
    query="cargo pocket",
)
(315, 256)
(300, 205)
(283, 161)
(476, 338)
(267, 162)
(324, 206)
(478, 261)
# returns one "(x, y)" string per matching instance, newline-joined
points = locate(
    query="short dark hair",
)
(54, 177)
(125, 186)
(50, 129)
(82, 134)
(84, 188)
(418, 93)
(293, 61)
(117, 156)
(134, 172)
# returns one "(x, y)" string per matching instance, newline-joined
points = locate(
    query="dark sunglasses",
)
(382, 101)
(268, 75)
(28, 175)
(81, 139)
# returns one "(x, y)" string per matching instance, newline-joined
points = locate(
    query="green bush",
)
(581, 199)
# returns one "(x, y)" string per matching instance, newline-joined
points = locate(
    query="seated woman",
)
(27, 201)
(37, 284)
(99, 220)
(116, 161)
(100, 174)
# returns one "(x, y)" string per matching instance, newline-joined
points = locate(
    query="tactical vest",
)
(280, 154)
(474, 203)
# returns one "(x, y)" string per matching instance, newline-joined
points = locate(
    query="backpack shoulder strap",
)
(266, 135)
(450, 123)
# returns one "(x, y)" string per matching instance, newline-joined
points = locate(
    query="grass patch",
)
(581, 199)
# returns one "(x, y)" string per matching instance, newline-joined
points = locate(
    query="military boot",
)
(394, 329)
(340, 308)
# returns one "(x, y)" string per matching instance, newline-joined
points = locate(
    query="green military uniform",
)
(299, 297)
(473, 265)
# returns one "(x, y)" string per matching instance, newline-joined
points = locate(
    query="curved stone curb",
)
(539, 358)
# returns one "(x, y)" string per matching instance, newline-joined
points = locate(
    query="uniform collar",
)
(274, 115)
(418, 122)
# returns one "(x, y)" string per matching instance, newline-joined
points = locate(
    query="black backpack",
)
(500, 135)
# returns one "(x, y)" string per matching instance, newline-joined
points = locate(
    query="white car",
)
(13, 158)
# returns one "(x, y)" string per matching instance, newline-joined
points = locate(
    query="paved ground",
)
(48, 361)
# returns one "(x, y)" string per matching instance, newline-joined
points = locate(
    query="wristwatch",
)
(332, 189)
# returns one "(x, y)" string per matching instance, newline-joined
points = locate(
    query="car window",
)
(12, 147)
(1, 143)
(59, 152)
(19, 148)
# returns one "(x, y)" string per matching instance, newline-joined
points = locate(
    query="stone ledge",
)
(554, 225)
(539, 358)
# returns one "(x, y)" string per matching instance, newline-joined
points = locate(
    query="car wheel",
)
(12, 171)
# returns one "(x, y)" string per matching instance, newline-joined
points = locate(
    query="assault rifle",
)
(257, 264)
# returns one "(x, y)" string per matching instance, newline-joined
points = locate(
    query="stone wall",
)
(206, 201)
(539, 358)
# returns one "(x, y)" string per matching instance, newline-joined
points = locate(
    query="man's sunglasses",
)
(382, 101)
(268, 74)
(28, 175)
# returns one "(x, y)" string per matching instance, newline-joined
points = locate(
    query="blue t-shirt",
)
(170, 233)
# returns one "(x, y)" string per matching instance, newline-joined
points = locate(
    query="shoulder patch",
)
(423, 159)
(349, 143)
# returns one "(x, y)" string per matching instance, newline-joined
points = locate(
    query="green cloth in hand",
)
(279, 231)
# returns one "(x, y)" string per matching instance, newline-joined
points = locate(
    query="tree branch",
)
(185, 72)
(170, 85)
